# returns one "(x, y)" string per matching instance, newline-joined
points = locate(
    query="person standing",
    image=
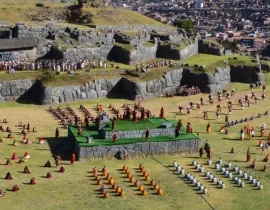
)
(176, 132)
(147, 134)
(208, 128)
(73, 158)
(57, 133)
(115, 137)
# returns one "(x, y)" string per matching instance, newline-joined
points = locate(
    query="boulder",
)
(168, 80)
(91, 94)
(46, 96)
(102, 93)
(67, 95)
(210, 88)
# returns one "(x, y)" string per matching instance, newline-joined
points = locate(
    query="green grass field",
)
(76, 188)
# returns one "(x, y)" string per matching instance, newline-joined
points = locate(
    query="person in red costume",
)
(62, 169)
(26, 170)
(161, 115)
(143, 114)
(115, 137)
(32, 181)
(49, 175)
(134, 115)
(72, 159)
(15, 188)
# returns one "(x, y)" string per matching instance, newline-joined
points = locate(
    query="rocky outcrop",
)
(138, 149)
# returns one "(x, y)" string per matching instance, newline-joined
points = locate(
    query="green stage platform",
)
(125, 125)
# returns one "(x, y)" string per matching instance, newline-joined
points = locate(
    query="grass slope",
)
(119, 16)
(16, 10)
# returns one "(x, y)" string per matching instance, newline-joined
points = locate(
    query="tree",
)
(184, 24)
(233, 46)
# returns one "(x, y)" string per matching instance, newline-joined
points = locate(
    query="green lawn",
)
(77, 189)
(213, 61)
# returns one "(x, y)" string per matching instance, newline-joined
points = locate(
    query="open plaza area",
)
(77, 187)
(134, 105)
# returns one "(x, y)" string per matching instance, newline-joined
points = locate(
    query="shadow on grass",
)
(232, 139)
(61, 146)
(100, 197)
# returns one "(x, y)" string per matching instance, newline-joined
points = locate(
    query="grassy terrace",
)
(125, 46)
(80, 77)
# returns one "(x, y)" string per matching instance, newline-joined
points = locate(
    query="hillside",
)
(27, 11)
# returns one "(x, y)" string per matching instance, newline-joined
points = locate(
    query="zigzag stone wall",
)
(124, 88)
(138, 148)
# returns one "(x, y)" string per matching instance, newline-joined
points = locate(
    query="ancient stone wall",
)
(246, 74)
(139, 133)
(208, 83)
(138, 149)
(132, 57)
(14, 89)
(25, 54)
(208, 48)
(76, 54)
(138, 27)
(48, 35)
(168, 52)
(156, 88)
(124, 88)
(190, 50)
(90, 90)
(142, 54)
